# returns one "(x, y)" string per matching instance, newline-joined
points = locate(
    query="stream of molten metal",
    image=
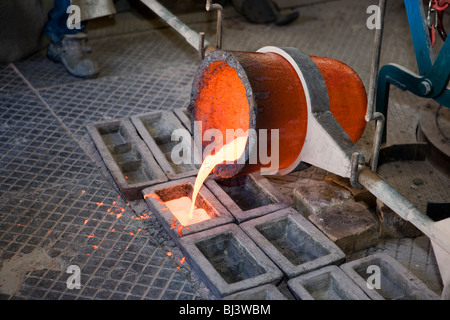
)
(229, 152)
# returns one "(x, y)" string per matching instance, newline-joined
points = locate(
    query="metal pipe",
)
(438, 232)
(215, 6)
(375, 62)
(191, 36)
(219, 28)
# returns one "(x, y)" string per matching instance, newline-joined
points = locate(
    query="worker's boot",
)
(71, 52)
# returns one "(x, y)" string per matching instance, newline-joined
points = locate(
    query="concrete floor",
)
(53, 179)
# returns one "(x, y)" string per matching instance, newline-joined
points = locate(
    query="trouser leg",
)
(56, 26)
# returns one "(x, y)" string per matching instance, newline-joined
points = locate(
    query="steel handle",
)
(438, 232)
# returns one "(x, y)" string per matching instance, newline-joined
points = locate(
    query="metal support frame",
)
(434, 74)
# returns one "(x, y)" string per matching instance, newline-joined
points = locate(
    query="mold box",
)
(125, 155)
(329, 283)
(292, 242)
(247, 196)
(228, 260)
(396, 282)
(155, 197)
(156, 129)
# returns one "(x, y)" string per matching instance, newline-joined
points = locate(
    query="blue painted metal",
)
(418, 27)
(434, 74)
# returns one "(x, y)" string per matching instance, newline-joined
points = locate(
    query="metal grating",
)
(36, 151)
(88, 225)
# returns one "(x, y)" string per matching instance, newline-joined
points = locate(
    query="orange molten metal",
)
(254, 90)
(180, 209)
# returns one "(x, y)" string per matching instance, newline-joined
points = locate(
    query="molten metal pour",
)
(229, 152)
(180, 209)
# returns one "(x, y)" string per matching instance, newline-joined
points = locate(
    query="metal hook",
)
(215, 6)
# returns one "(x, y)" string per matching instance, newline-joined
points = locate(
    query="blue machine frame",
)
(433, 75)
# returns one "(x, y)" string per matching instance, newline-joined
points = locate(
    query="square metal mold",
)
(228, 260)
(156, 129)
(155, 196)
(293, 243)
(395, 281)
(125, 155)
(329, 283)
(248, 196)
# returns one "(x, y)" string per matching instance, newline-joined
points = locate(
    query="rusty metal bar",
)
(378, 39)
(372, 91)
(378, 138)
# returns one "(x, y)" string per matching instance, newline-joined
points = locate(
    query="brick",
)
(351, 226)
(359, 195)
(319, 195)
(394, 226)
(247, 196)
(329, 283)
(292, 242)
(396, 282)
(228, 261)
